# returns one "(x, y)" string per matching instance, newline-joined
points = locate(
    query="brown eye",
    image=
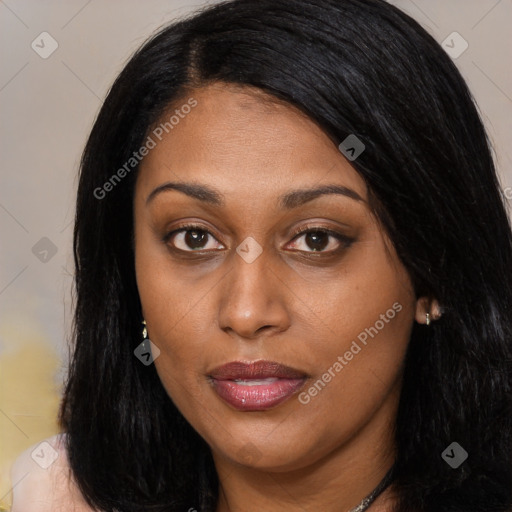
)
(321, 240)
(316, 240)
(190, 238)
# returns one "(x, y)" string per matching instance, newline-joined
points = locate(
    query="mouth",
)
(256, 386)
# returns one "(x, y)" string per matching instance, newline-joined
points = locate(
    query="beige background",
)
(47, 107)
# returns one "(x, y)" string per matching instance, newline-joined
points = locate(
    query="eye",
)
(190, 238)
(317, 239)
(194, 238)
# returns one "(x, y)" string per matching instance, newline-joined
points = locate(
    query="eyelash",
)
(345, 241)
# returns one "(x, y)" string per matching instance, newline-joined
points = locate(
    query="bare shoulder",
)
(42, 480)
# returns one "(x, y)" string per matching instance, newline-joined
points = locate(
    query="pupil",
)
(316, 238)
(195, 238)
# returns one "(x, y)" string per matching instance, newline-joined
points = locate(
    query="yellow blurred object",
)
(29, 396)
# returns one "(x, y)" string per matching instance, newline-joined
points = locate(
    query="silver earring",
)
(144, 331)
(427, 315)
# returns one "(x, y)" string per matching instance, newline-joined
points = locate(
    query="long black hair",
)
(355, 67)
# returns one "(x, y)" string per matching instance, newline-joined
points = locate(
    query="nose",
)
(253, 299)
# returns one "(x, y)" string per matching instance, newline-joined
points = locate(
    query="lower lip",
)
(256, 397)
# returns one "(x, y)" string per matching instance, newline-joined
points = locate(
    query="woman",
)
(296, 203)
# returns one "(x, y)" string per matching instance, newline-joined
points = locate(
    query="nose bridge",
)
(250, 272)
(251, 295)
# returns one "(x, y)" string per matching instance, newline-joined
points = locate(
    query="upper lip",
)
(255, 370)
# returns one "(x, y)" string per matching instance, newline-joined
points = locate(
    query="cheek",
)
(170, 293)
(165, 304)
(332, 315)
(363, 359)
(369, 303)
(363, 326)
(175, 307)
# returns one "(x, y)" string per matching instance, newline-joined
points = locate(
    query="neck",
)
(335, 482)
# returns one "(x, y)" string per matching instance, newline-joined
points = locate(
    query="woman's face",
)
(335, 307)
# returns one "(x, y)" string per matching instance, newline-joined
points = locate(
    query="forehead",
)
(242, 139)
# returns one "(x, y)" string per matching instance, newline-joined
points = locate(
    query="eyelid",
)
(189, 226)
(315, 227)
(344, 240)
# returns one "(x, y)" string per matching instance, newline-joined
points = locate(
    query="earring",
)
(427, 315)
(144, 331)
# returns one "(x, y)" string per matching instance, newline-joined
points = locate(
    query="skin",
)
(300, 307)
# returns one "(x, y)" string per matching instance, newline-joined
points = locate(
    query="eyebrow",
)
(292, 199)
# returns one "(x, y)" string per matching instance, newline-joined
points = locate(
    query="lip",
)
(263, 384)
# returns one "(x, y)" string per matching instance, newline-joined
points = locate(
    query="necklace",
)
(388, 478)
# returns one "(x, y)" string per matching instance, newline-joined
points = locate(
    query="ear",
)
(428, 305)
